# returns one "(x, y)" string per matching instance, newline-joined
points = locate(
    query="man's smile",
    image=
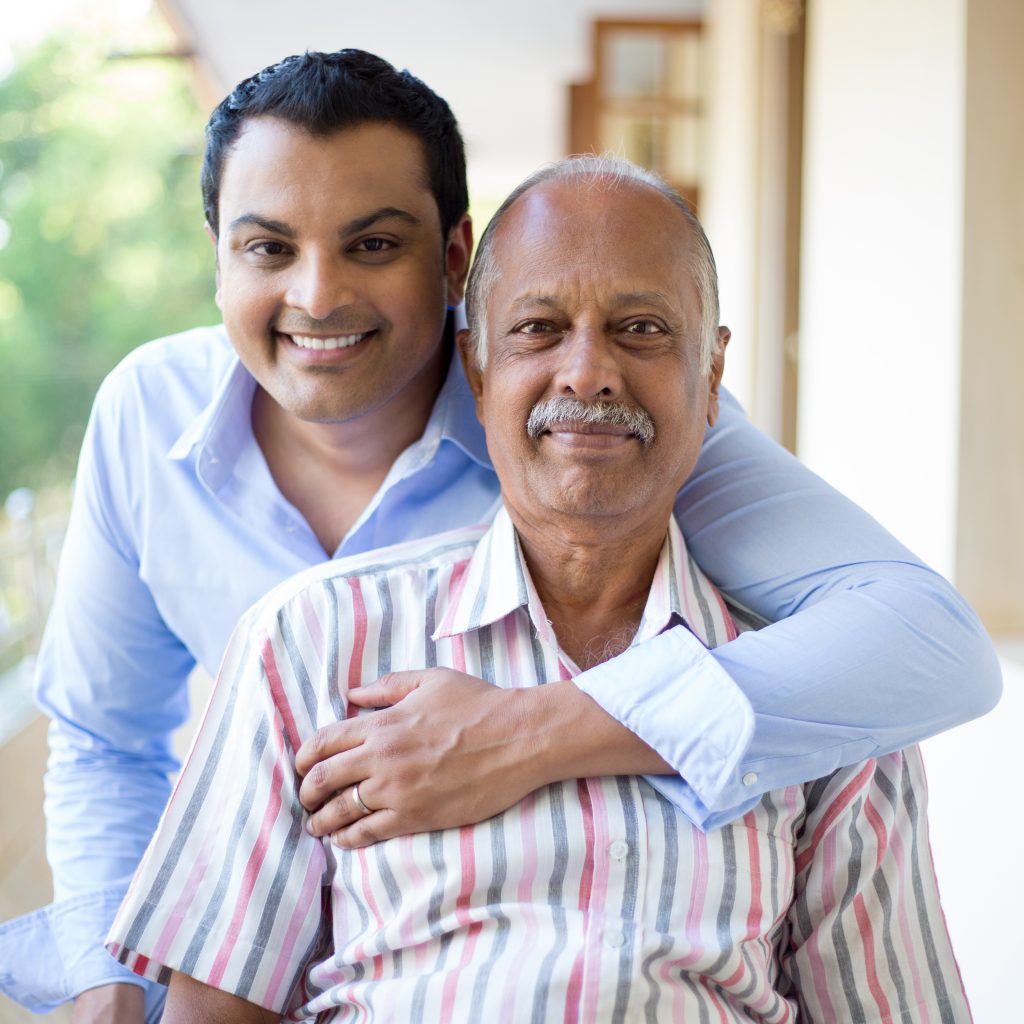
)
(577, 434)
(326, 343)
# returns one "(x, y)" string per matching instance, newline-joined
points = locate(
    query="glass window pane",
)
(634, 64)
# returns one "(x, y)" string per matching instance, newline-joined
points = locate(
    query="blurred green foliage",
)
(101, 237)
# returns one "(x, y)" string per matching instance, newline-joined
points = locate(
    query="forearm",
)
(106, 783)
(102, 808)
(122, 1003)
(189, 1001)
(101, 816)
(896, 659)
(564, 734)
(867, 671)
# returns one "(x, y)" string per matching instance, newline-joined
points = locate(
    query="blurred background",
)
(859, 168)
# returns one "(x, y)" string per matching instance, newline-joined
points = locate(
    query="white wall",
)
(729, 203)
(977, 845)
(882, 239)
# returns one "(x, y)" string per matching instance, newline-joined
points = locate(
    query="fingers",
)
(388, 690)
(328, 741)
(335, 775)
(340, 812)
(370, 829)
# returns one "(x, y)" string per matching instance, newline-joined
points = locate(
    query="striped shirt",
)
(590, 900)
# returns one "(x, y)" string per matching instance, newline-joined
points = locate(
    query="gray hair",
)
(614, 172)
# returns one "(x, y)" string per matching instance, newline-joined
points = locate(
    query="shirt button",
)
(618, 850)
(750, 778)
(614, 938)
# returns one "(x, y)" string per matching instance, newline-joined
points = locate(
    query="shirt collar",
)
(497, 582)
(223, 430)
(454, 415)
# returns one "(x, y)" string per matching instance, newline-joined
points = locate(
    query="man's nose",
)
(319, 286)
(589, 367)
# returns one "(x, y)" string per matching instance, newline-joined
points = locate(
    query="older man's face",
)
(595, 303)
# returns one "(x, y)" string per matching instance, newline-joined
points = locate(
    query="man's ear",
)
(717, 369)
(474, 375)
(216, 261)
(457, 252)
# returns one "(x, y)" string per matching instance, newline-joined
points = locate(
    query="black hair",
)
(326, 92)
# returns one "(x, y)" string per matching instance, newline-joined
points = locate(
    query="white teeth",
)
(328, 344)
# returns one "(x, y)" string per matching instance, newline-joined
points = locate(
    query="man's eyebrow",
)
(277, 226)
(533, 299)
(618, 298)
(384, 213)
(352, 227)
(644, 298)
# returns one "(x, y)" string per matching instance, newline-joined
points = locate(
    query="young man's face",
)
(332, 273)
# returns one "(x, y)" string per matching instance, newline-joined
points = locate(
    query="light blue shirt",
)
(177, 527)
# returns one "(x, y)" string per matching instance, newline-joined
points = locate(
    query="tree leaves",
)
(102, 216)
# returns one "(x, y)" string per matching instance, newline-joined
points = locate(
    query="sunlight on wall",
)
(882, 241)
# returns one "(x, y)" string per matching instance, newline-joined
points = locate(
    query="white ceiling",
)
(504, 67)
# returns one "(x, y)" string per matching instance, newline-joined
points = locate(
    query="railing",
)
(30, 545)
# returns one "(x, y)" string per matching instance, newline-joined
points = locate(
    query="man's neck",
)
(331, 471)
(593, 581)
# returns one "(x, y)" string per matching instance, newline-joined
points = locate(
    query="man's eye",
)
(642, 327)
(533, 327)
(268, 248)
(374, 245)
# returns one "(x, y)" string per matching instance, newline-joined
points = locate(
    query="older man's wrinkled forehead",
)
(588, 224)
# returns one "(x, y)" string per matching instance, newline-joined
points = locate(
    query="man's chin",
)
(594, 494)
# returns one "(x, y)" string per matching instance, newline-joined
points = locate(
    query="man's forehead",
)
(563, 202)
(626, 238)
(375, 162)
(532, 299)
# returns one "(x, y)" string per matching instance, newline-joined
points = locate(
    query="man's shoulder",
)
(196, 359)
(404, 563)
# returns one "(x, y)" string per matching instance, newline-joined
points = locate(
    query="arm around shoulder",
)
(780, 541)
(867, 651)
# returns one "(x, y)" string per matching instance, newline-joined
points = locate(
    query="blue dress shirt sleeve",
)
(112, 678)
(50, 956)
(869, 650)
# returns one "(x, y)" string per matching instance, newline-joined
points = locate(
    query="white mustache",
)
(571, 410)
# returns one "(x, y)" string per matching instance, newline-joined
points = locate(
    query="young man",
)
(592, 899)
(326, 418)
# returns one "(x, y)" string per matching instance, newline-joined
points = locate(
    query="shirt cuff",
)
(672, 693)
(52, 955)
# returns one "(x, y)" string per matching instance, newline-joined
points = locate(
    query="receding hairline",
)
(598, 173)
(595, 181)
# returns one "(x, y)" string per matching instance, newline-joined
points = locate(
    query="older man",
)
(595, 370)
